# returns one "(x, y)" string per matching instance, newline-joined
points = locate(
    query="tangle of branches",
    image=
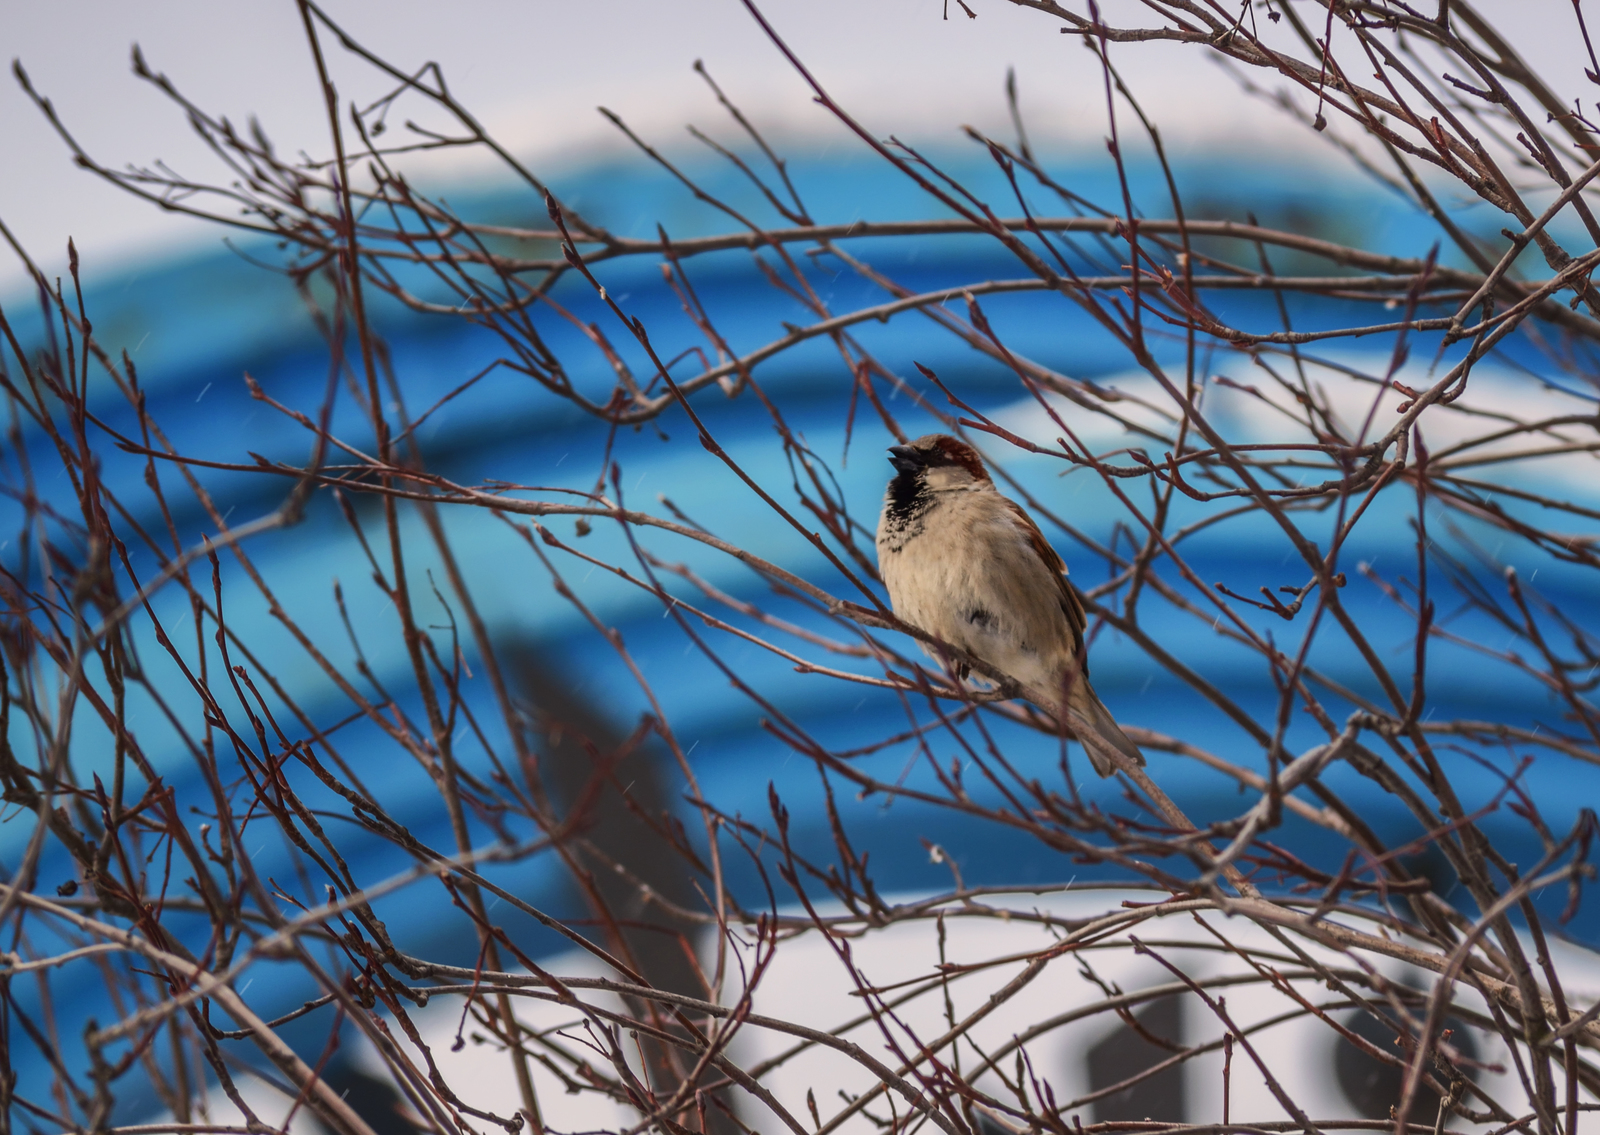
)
(156, 673)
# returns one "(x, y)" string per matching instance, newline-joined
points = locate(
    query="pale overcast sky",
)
(534, 70)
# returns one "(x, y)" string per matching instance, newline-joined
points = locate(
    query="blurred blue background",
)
(195, 325)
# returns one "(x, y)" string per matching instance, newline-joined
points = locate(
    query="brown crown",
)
(942, 449)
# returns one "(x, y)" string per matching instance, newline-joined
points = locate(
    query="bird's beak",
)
(904, 459)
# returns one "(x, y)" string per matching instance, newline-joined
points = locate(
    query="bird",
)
(967, 565)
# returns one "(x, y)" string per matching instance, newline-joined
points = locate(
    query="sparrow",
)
(967, 565)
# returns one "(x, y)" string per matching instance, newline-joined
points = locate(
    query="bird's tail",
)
(1107, 745)
(1091, 722)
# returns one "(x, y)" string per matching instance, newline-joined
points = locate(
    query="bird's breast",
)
(969, 576)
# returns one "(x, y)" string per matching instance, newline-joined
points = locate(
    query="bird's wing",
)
(1071, 605)
(1107, 746)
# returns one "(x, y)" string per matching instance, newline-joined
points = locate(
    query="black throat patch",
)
(904, 493)
(907, 499)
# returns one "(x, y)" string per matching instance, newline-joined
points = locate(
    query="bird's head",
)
(939, 462)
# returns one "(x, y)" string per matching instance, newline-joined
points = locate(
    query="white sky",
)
(534, 70)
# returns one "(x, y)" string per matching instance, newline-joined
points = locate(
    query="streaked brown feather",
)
(1071, 605)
